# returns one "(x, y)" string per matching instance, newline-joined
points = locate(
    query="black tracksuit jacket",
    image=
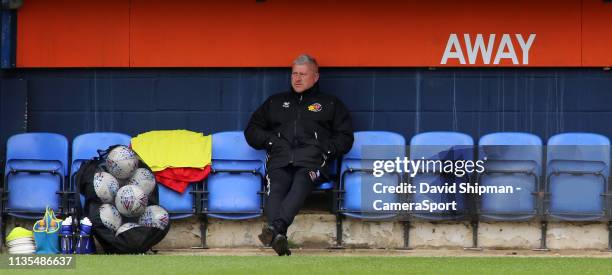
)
(306, 129)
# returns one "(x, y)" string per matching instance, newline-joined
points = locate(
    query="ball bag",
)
(126, 239)
(125, 227)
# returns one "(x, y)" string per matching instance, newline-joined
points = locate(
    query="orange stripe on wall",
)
(72, 33)
(597, 33)
(342, 33)
(245, 33)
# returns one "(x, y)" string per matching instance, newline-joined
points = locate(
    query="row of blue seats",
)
(576, 173)
(37, 174)
(37, 165)
(565, 180)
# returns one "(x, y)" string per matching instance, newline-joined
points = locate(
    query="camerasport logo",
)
(315, 107)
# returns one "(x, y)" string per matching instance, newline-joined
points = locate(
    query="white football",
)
(131, 201)
(121, 162)
(155, 216)
(144, 179)
(110, 216)
(106, 186)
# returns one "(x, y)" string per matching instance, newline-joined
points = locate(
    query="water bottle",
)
(85, 242)
(66, 236)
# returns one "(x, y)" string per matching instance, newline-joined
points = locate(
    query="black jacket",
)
(306, 129)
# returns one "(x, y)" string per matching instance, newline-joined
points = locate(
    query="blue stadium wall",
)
(407, 101)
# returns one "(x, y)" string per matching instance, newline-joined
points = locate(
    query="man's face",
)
(303, 77)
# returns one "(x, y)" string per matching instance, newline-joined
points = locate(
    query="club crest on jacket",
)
(315, 107)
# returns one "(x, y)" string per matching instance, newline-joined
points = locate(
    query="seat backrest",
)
(234, 196)
(430, 145)
(38, 146)
(31, 193)
(385, 145)
(86, 146)
(511, 146)
(232, 145)
(438, 146)
(579, 147)
(231, 151)
(577, 174)
(510, 138)
(358, 196)
(510, 151)
(178, 205)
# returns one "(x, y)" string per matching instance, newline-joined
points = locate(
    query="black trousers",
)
(288, 188)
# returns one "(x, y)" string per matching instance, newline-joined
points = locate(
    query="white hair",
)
(307, 59)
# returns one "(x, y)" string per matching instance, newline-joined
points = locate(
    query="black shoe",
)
(266, 236)
(281, 245)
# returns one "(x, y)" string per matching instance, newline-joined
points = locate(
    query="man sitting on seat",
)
(303, 131)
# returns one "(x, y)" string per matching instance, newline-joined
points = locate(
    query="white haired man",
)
(302, 131)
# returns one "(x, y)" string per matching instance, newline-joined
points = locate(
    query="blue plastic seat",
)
(329, 185)
(577, 176)
(510, 159)
(86, 146)
(178, 205)
(333, 173)
(357, 196)
(235, 184)
(35, 171)
(440, 146)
